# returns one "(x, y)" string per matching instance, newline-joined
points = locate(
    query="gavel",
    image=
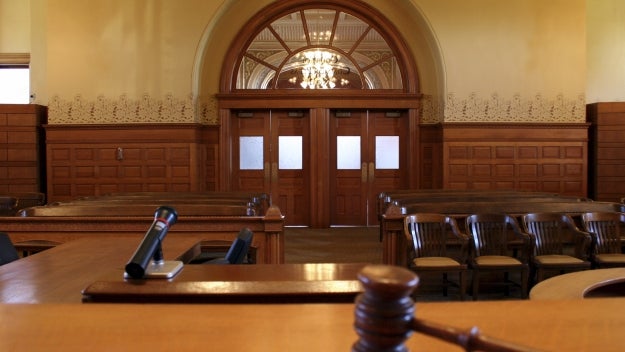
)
(385, 316)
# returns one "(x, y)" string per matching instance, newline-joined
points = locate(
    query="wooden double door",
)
(322, 167)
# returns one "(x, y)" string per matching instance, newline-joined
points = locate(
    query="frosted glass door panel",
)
(387, 152)
(251, 153)
(290, 152)
(348, 152)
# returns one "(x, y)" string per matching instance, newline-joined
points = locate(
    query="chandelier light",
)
(319, 69)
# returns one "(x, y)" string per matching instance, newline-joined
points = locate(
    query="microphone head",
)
(166, 214)
(135, 270)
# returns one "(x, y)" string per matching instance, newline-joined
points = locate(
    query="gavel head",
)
(384, 310)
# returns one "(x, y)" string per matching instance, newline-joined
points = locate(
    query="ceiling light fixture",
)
(319, 69)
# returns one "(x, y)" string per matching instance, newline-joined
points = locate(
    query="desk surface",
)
(580, 325)
(578, 284)
(262, 283)
(96, 265)
(58, 275)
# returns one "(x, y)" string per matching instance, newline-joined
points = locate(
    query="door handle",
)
(371, 172)
(363, 173)
(267, 172)
(274, 173)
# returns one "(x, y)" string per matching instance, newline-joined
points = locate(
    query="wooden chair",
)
(490, 253)
(549, 232)
(7, 205)
(428, 234)
(607, 246)
(8, 253)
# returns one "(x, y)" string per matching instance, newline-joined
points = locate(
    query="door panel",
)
(270, 154)
(348, 187)
(290, 187)
(388, 139)
(381, 160)
(249, 143)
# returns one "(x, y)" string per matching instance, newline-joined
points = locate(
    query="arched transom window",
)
(319, 49)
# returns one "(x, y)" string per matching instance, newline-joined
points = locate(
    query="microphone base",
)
(161, 270)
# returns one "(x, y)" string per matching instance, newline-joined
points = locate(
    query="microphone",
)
(150, 247)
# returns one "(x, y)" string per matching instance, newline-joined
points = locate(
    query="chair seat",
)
(610, 258)
(557, 259)
(496, 260)
(428, 262)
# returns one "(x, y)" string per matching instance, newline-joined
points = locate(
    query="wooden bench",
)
(257, 203)
(136, 209)
(209, 221)
(391, 224)
(429, 196)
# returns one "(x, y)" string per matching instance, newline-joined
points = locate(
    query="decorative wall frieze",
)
(517, 109)
(120, 110)
(170, 109)
(430, 112)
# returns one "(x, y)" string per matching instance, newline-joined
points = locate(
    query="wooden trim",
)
(360, 99)
(14, 59)
(148, 133)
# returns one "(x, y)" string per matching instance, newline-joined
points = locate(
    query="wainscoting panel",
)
(21, 148)
(607, 150)
(92, 160)
(530, 157)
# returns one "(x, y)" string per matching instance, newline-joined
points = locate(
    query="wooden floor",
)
(362, 245)
(332, 245)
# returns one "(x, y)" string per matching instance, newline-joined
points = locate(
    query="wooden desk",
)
(262, 283)
(59, 274)
(96, 265)
(581, 284)
(580, 325)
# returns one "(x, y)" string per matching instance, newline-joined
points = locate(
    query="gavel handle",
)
(470, 340)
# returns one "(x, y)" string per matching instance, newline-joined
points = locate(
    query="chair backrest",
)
(606, 231)
(7, 205)
(548, 231)
(490, 232)
(8, 253)
(427, 234)
(240, 246)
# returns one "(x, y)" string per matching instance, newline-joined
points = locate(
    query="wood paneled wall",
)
(430, 156)
(21, 148)
(91, 160)
(607, 150)
(531, 157)
(85, 160)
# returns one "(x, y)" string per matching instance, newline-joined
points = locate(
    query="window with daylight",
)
(14, 85)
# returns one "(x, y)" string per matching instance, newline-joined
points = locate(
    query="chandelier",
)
(319, 69)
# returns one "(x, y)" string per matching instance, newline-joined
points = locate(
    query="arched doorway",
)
(319, 107)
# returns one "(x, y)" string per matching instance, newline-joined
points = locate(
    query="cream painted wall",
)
(605, 50)
(14, 26)
(479, 60)
(138, 49)
(511, 60)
